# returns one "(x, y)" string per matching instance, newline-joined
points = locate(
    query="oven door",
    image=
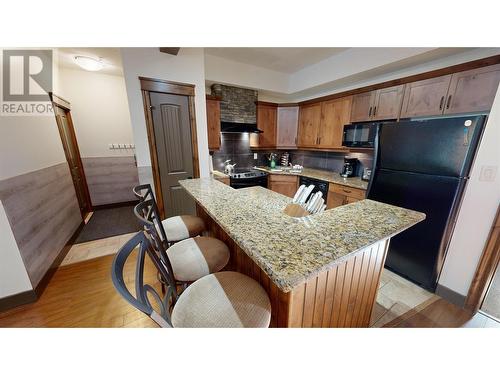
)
(240, 183)
(359, 135)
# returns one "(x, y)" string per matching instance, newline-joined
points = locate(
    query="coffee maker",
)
(350, 167)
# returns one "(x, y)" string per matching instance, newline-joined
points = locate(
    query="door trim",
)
(57, 101)
(487, 266)
(174, 88)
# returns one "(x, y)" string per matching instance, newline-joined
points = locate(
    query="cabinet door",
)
(288, 121)
(425, 98)
(387, 103)
(286, 185)
(362, 106)
(334, 115)
(213, 124)
(473, 90)
(309, 120)
(266, 121)
(334, 200)
(351, 200)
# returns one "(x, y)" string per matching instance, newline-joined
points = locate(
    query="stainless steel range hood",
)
(238, 127)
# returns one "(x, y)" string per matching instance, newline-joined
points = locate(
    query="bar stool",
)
(189, 259)
(177, 228)
(219, 300)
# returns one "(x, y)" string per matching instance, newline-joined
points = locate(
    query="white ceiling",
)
(111, 58)
(281, 59)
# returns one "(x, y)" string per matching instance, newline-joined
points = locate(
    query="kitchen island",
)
(321, 270)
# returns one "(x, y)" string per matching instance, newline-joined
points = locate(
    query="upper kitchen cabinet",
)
(334, 115)
(267, 122)
(387, 103)
(309, 121)
(213, 122)
(362, 106)
(288, 120)
(473, 90)
(425, 98)
(382, 104)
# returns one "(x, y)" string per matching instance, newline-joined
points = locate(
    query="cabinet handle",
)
(441, 103)
(374, 110)
(370, 112)
(448, 102)
(346, 191)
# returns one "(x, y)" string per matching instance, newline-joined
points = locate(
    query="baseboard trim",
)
(57, 262)
(115, 205)
(451, 296)
(16, 300)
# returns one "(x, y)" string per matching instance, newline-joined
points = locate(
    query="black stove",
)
(242, 178)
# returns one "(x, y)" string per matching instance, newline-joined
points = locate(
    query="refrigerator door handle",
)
(441, 103)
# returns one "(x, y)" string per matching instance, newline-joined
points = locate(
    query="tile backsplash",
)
(236, 147)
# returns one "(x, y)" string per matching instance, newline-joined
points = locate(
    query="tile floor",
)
(491, 304)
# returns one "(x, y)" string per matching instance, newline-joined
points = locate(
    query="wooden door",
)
(172, 134)
(288, 121)
(266, 121)
(425, 98)
(72, 153)
(473, 90)
(213, 123)
(387, 103)
(309, 120)
(362, 106)
(334, 115)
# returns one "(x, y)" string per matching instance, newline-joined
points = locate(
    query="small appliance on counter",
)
(360, 135)
(367, 173)
(228, 168)
(285, 159)
(350, 167)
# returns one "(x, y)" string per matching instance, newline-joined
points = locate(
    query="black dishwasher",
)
(319, 185)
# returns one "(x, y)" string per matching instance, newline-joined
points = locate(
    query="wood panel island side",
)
(321, 270)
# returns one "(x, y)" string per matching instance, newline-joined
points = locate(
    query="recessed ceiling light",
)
(89, 63)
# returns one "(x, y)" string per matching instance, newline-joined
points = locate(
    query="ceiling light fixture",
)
(89, 63)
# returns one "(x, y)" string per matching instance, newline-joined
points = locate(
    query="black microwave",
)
(360, 135)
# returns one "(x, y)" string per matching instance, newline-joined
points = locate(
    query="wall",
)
(186, 67)
(477, 213)
(30, 149)
(236, 147)
(100, 113)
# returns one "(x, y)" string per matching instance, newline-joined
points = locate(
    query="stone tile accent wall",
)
(43, 212)
(237, 104)
(111, 179)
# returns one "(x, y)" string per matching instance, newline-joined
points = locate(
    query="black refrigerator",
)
(424, 166)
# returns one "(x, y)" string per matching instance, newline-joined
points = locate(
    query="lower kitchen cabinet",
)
(286, 185)
(339, 195)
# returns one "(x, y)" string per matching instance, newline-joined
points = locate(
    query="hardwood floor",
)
(82, 295)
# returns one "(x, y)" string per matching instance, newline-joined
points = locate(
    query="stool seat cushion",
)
(179, 228)
(196, 257)
(223, 300)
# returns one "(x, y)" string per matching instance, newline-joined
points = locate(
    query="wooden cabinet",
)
(339, 195)
(321, 124)
(283, 184)
(334, 115)
(473, 90)
(288, 120)
(425, 98)
(309, 120)
(382, 104)
(213, 123)
(267, 121)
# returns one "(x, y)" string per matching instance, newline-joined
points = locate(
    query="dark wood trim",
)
(213, 97)
(60, 102)
(16, 300)
(490, 260)
(492, 60)
(39, 289)
(170, 50)
(115, 205)
(268, 104)
(66, 107)
(166, 87)
(288, 104)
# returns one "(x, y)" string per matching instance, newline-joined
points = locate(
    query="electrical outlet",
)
(255, 156)
(488, 173)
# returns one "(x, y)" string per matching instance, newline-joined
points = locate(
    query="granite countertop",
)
(320, 174)
(292, 250)
(219, 174)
